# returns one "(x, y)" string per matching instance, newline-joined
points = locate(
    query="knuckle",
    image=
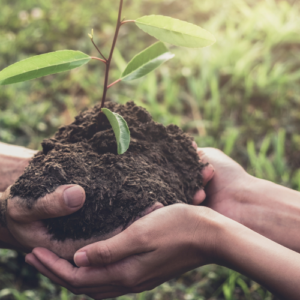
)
(49, 205)
(43, 209)
(103, 253)
(140, 236)
(46, 204)
(130, 280)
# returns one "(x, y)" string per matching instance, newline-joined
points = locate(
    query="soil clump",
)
(160, 165)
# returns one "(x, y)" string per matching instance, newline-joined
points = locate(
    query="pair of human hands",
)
(157, 247)
(25, 230)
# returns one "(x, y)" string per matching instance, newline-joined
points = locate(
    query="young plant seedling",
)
(165, 29)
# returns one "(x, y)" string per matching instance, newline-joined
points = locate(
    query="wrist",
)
(245, 194)
(271, 209)
(210, 227)
(261, 201)
(230, 238)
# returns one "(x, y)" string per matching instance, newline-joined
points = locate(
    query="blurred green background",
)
(241, 95)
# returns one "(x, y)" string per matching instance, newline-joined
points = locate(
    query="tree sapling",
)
(125, 167)
(165, 29)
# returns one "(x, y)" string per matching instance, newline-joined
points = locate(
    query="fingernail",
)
(73, 196)
(81, 259)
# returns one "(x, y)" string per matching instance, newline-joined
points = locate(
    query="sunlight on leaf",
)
(175, 32)
(120, 129)
(146, 61)
(42, 65)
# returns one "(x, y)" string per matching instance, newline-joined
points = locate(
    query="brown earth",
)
(160, 165)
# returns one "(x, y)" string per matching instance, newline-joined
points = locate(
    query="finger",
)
(202, 156)
(75, 277)
(209, 170)
(208, 173)
(199, 197)
(125, 244)
(54, 264)
(32, 260)
(63, 201)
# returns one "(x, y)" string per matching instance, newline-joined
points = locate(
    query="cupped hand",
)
(225, 191)
(154, 249)
(26, 227)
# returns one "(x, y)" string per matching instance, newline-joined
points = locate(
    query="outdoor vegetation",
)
(241, 95)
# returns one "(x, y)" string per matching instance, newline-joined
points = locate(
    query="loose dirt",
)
(160, 165)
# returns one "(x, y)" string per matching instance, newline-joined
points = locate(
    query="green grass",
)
(241, 95)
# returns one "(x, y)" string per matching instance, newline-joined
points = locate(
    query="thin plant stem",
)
(98, 50)
(119, 24)
(97, 58)
(112, 84)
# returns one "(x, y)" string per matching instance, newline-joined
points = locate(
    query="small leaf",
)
(42, 65)
(146, 61)
(120, 129)
(175, 32)
(90, 36)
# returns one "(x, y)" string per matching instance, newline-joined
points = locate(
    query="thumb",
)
(119, 247)
(65, 200)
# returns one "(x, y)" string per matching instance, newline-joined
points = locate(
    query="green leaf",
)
(175, 32)
(146, 61)
(120, 129)
(42, 65)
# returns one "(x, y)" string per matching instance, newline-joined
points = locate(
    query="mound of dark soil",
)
(160, 165)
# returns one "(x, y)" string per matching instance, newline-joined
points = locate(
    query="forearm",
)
(13, 161)
(270, 264)
(273, 211)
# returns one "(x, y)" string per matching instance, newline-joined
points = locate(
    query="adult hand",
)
(263, 206)
(25, 229)
(225, 193)
(154, 249)
(167, 243)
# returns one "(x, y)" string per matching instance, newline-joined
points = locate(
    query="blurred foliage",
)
(241, 95)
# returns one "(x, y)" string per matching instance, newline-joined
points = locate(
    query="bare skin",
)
(25, 225)
(169, 242)
(132, 261)
(263, 206)
(25, 229)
